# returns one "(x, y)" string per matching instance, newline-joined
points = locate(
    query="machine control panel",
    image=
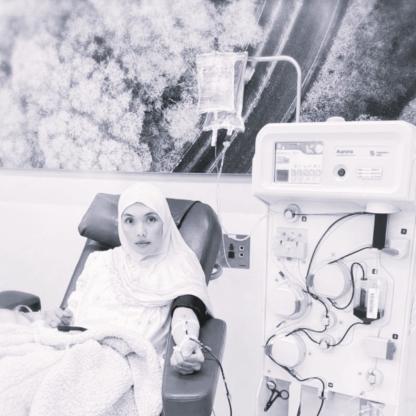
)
(336, 161)
(298, 162)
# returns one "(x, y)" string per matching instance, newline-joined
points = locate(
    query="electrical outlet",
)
(236, 248)
(290, 243)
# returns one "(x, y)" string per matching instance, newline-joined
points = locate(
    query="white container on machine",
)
(369, 302)
(327, 170)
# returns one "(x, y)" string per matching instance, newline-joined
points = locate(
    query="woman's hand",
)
(57, 317)
(187, 357)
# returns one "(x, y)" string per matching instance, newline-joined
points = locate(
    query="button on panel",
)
(340, 171)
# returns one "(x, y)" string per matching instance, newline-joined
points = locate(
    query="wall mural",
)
(110, 85)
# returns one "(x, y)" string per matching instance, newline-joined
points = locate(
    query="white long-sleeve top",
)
(101, 299)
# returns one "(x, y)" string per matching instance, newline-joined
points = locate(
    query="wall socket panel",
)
(237, 252)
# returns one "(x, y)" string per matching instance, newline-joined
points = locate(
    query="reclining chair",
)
(189, 395)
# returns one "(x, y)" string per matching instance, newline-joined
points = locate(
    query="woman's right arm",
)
(187, 356)
(188, 314)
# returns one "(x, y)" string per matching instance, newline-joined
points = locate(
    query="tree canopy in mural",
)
(108, 84)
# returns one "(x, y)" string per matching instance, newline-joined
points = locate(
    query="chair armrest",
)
(190, 395)
(9, 299)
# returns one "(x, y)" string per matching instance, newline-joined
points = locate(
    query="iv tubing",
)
(289, 59)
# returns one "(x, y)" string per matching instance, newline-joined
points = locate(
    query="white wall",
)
(39, 214)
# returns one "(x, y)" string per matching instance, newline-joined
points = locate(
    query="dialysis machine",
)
(339, 314)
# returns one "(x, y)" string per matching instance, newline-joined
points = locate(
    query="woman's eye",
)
(152, 218)
(128, 220)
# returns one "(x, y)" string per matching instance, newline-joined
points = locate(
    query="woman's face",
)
(143, 229)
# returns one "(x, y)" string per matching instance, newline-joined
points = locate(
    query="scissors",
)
(283, 394)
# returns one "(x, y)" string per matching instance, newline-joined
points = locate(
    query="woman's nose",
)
(141, 230)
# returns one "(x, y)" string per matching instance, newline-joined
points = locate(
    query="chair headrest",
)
(100, 221)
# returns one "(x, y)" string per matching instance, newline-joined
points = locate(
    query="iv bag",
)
(220, 89)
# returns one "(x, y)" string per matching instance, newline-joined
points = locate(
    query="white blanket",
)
(100, 372)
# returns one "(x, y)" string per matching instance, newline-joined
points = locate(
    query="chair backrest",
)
(196, 221)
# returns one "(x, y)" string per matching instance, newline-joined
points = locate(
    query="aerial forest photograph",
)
(112, 85)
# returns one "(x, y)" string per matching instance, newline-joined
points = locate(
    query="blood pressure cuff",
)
(194, 303)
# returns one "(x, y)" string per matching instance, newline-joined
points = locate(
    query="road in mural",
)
(110, 85)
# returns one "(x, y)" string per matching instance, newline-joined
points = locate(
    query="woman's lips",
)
(142, 243)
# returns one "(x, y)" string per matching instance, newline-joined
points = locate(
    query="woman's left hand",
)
(187, 357)
(57, 317)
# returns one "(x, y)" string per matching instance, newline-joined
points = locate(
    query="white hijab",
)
(173, 271)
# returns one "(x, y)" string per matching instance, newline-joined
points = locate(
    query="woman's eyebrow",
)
(151, 213)
(126, 214)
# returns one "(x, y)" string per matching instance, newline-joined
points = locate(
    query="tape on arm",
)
(185, 329)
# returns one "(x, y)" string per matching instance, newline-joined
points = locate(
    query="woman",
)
(136, 283)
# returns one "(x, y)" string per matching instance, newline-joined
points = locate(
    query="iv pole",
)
(285, 58)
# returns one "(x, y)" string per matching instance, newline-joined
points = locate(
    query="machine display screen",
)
(298, 162)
